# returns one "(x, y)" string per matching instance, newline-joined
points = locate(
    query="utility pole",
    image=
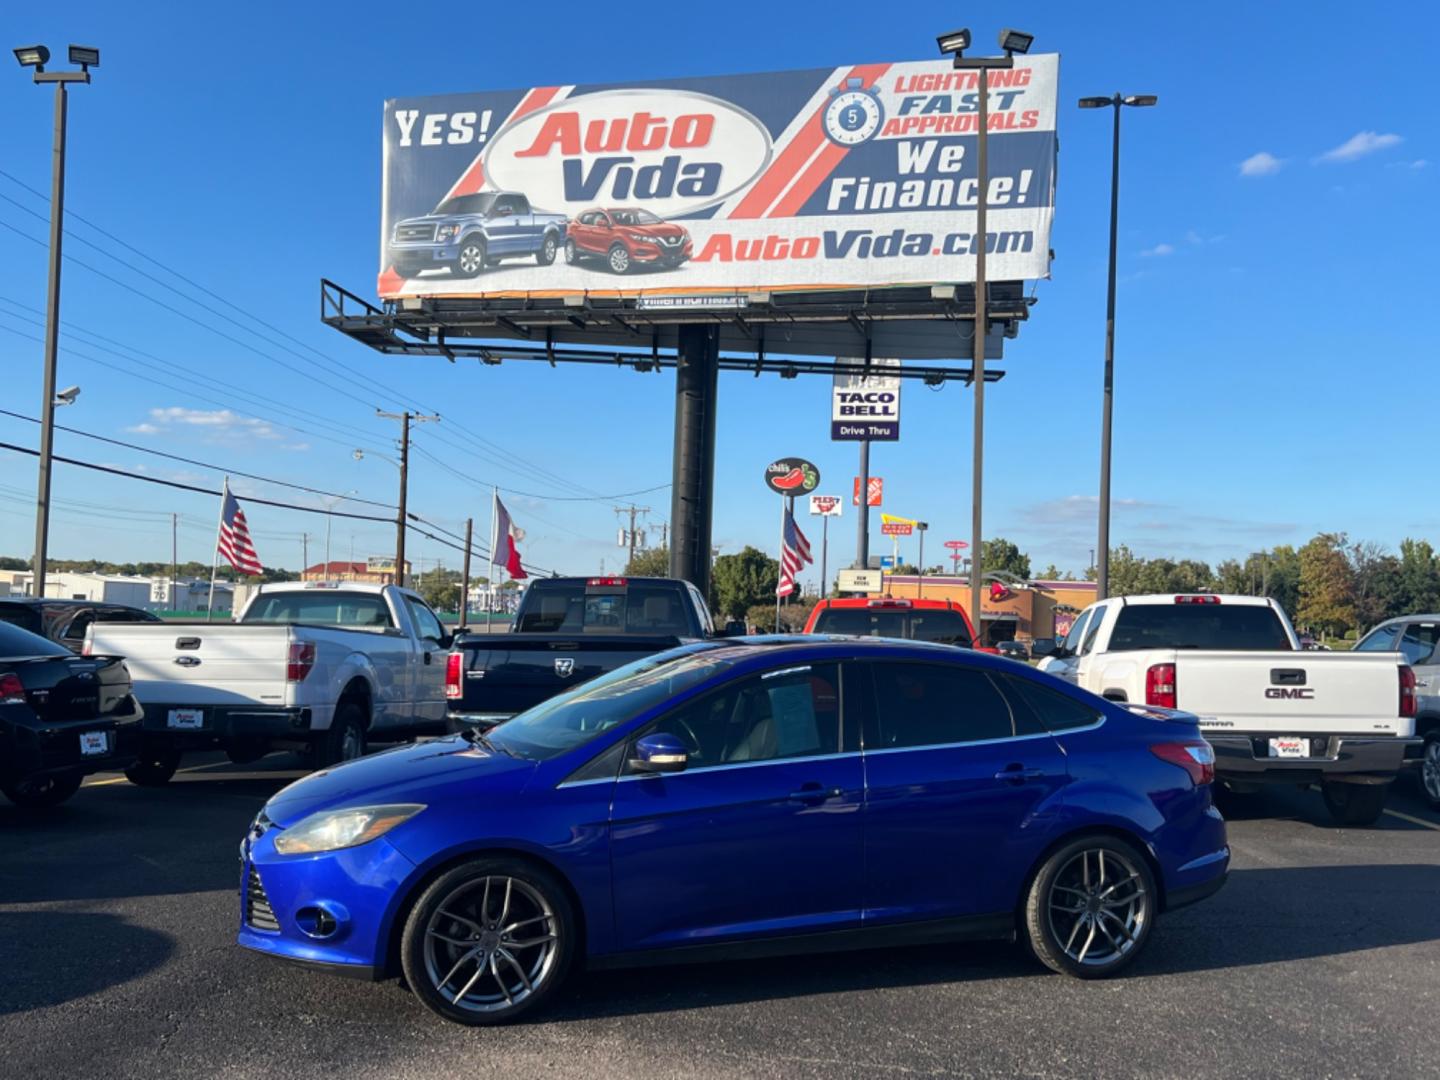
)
(465, 576)
(304, 554)
(630, 534)
(405, 419)
(665, 535)
(174, 560)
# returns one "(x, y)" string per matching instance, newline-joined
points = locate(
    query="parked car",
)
(625, 237)
(467, 233)
(66, 621)
(1274, 713)
(567, 631)
(1015, 650)
(62, 717)
(1415, 637)
(313, 666)
(942, 621)
(755, 797)
(1042, 647)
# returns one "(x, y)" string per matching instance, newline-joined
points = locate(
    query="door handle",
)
(427, 656)
(1018, 774)
(814, 796)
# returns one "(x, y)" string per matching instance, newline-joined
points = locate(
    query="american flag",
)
(235, 543)
(794, 554)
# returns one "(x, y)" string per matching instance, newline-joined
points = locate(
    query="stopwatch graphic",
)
(853, 114)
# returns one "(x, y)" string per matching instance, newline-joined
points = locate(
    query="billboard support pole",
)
(824, 553)
(692, 492)
(978, 365)
(862, 539)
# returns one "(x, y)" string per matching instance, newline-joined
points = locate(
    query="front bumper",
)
(417, 257)
(1244, 756)
(223, 723)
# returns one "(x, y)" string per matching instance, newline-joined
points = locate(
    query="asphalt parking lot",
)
(1321, 957)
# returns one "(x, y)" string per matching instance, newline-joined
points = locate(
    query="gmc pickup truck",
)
(316, 666)
(467, 233)
(1273, 713)
(568, 630)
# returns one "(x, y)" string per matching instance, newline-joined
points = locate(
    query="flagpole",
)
(215, 555)
(494, 551)
(780, 564)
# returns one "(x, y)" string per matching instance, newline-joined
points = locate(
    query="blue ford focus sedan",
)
(742, 798)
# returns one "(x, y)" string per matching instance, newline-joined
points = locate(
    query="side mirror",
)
(660, 753)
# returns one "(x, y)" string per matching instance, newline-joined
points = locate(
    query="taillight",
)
(88, 649)
(300, 660)
(452, 675)
(12, 690)
(1196, 758)
(1201, 598)
(1408, 704)
(1160, 685)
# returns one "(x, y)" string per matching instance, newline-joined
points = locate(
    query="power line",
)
(486, 485)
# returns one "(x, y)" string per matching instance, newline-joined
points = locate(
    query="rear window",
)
(943, 627)
(16, 642)
(325, 607)
(1247, 628)
(574, 609)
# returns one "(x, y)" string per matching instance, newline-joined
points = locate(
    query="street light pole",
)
(1116, 102)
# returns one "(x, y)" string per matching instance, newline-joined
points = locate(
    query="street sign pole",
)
(862, 539)
(824, 553)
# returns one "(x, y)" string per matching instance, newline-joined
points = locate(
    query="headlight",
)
(639, 239)
(336, 829)
(445, 232)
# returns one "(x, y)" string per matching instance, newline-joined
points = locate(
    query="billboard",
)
(859, 176)
(866, 407)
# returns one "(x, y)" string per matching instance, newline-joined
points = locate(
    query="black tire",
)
(1354, 804)
(244, 751)
(154, 768)
(1429, 775)
(423, 951)
(343, 741)
(41, 792)
(1056, 937)
(572, 253)
(549, 248)
(618, 259)
(471, 259)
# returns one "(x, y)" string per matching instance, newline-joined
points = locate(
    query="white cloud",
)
(1358, 145)
(1418, 163)
(218, 425)
(143, 429)
(1200, 240)
(1159, 249)
(1262, 164)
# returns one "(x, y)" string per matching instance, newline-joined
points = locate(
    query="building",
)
(189, 594)
(377, 570)
(1022, 611)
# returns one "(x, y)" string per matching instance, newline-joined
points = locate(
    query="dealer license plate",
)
(186, 719)
(1290, 746)
(94, 743)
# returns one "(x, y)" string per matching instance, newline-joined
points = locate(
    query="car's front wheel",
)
(1090, 907)
(489, 941)
(40, 792)
(470, 260)
(619, 258)
(1354, 804)
(1430, 771)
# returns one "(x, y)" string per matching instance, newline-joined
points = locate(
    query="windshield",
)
(635, 217)
(467, 204)
(1231, 627)
(944, 627)
(326, 607)
(574, 609)
(574, 718)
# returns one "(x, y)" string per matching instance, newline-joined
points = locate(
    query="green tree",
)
(1125, 572)
(652, 562)
(742, 581)
(1419, 576)
(793, 616)
(1327, 585)
(1000, 554)
(9, 562)
(1378, 582)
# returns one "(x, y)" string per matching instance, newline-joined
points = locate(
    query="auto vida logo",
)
(669, 151)
(564, 666)
(1294, 693)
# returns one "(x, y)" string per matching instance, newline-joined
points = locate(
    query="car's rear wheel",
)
(1430, 771)
(548, 249)
(154, 768)
(1090, 907)
(489, 941)
(619, 258)
(39, 792)
(470, 260)
(345, 739)
(1354, 804)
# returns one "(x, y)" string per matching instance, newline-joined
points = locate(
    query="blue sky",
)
(1275, 302)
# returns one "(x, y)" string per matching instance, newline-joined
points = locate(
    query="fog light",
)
(321, 921)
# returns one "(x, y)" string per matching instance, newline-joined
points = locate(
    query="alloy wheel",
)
(491, 944)
(472, 258)
(1098, 906)
(619, 259)
(352, 743)
(1430, 770)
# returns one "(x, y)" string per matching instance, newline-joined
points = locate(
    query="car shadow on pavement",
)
(106, 951)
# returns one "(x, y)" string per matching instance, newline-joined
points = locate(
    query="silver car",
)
(1416, 637)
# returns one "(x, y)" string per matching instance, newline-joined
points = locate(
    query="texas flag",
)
(506, 535)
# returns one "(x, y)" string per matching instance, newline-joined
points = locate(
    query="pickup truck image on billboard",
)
(858, 176)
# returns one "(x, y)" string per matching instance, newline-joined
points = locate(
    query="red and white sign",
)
(874, 493)
(896, 528)
(825, 505)
(956, 545)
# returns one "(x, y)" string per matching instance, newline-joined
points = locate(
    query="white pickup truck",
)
(314, 666)
(1273, 713)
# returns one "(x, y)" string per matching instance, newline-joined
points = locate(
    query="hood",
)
(665, 228)
(424, 772)
(438, 219)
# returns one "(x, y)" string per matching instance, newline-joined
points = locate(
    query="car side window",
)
(937, 705)
(1092, 630)
(1418, 643)
(1038, 708)
(1077, 631)
(1381, 639)
(788, 713)
(427, 624)
(78, 625)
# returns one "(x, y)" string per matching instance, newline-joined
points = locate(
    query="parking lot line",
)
(123, 780)
(1413, 820)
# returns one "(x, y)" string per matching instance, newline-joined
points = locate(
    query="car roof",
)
(880, 601)
(60, 601)
(1234, 599)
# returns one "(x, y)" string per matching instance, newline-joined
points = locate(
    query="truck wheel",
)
(154, 768)
(1430, 772)
(548, 247)
(1090, 907)
(572, 253)
(345, 741)
(40, 792)
(470, 260)
(619, 258)
(1354, 804)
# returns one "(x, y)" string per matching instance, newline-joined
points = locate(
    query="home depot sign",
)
(874, 492)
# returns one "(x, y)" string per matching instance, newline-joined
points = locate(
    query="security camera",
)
(67, 396)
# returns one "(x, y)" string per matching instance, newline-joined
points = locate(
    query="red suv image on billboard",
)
(624, 238)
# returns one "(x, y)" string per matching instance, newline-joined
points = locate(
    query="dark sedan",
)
(62, 717)
(66, 621)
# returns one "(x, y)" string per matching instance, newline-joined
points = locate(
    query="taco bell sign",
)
(866, 408)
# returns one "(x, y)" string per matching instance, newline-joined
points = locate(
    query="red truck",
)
(625, 238)
(941, 621)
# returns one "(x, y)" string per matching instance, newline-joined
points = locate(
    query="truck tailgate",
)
(199, 664)
(1292, 692)
(509, 673)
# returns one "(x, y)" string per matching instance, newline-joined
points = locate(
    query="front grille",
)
(670, 241)
(258, 912)
(412, 234)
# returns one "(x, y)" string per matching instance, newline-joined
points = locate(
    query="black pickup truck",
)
(567, 631)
